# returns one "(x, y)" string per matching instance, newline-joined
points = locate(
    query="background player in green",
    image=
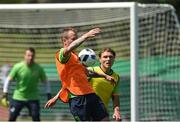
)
(102, 87)
(27, 74)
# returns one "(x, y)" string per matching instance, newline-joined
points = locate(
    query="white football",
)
(87, 57)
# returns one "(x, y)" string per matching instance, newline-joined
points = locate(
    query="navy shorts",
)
(88, 108)
(17, 105)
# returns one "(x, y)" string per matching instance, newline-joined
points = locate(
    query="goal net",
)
(23, 26)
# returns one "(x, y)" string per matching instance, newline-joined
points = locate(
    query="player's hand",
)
(4, 100)
(110, 79)
(92, 32)
(51, 102)
(117, 115)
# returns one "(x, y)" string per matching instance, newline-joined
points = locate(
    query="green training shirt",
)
(27, 79)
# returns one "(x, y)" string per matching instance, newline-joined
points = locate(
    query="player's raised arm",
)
(71, 42)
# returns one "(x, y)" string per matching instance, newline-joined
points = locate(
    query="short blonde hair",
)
(65, 32)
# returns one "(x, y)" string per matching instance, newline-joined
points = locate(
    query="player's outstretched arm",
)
(91, 73)
(52, 101)
(80, 40)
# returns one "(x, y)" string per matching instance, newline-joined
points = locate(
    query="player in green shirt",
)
(27, 74)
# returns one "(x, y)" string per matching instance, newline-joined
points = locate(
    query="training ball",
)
(4, 102)
(87, 57)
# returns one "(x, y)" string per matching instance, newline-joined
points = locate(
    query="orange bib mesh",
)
(73, 77)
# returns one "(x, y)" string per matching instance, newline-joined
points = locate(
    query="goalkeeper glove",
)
(4, 100)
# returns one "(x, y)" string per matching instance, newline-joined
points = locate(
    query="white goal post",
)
(133, 36)
(145, 37)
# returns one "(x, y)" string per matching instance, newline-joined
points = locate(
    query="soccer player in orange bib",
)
(84, 104)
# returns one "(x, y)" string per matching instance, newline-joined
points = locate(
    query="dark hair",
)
(65, 32)
(31, 49)
(107, 50)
